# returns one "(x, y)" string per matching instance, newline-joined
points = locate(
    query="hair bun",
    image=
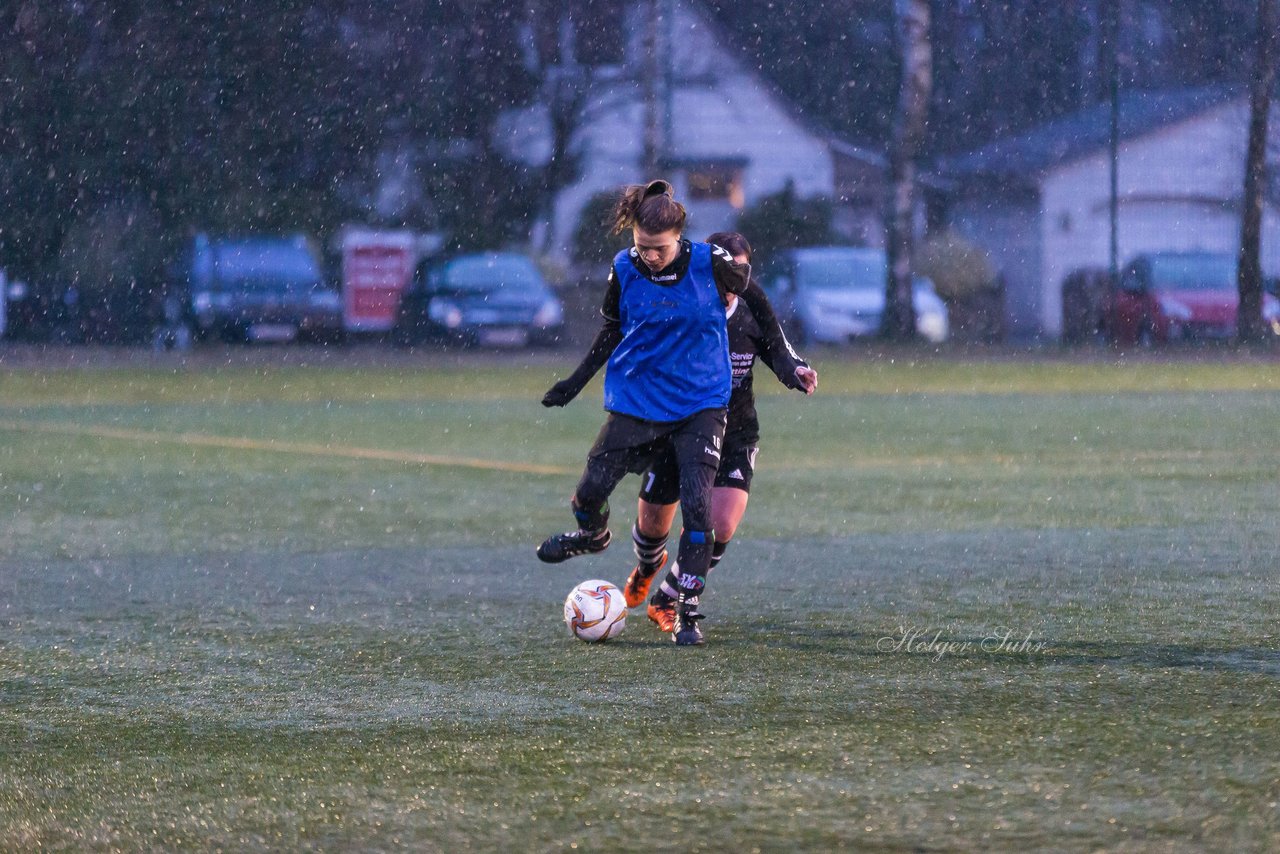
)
(658, 188)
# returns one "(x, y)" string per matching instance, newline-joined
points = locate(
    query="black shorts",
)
(634, 444)
(661, 483)
(630, 445)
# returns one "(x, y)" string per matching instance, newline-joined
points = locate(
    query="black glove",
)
(560, 394)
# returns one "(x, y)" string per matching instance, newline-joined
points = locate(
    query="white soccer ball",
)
(595, 611)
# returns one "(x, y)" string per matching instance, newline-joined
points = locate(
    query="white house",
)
(725, 136)
(1039, 202)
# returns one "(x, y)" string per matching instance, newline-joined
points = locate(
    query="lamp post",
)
(1113, 147)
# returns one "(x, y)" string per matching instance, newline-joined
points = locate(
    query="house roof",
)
(1080, 134)
(859, 152)
(839, 144)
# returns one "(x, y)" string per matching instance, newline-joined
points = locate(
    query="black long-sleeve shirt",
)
(755, 333)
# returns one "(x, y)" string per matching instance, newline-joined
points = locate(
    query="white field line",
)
(205, 440)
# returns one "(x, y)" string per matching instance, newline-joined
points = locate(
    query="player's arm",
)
(607, 340)
(731, 277)
(776, 351)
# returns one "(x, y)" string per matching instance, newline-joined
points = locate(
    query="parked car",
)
(48, 310)
(1170, 296)
(486, 298)
(249, 289)
(831, 294)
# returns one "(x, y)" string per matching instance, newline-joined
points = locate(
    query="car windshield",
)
(260, 266)
(490, 272)
(841, 271)
(1194, 272)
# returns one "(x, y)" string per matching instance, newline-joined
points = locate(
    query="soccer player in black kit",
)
(754, 332)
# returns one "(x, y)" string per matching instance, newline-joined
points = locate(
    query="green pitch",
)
(975, 605)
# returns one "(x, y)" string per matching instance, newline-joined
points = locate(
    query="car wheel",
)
(328, 337)
(64, 333)
(402, 335)
(173, 336)
(1146, 335)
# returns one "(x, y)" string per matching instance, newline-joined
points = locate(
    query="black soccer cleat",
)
(686, 631)
(561, 547)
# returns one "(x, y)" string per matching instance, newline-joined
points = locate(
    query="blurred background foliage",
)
(243, 115)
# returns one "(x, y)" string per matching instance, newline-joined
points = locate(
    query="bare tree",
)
(899, 320)
(1249, 326)
(552, 58)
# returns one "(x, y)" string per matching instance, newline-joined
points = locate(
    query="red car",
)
(1171, 296)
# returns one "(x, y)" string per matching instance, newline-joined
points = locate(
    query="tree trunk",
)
(1249, 326)
(564, 90)
(899, 321)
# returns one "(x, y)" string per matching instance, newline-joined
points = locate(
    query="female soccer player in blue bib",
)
(754, 332)
(667, 382)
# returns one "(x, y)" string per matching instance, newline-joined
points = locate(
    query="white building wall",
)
(1009, 232)
(1179, 188)
(719, 111)
(612, 150)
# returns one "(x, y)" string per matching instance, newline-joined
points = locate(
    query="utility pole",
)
(651, 80)
(1113, 149)
(668, 75)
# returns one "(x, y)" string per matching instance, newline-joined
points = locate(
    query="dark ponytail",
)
(651, 207)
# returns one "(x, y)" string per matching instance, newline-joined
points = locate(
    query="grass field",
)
(976, 604)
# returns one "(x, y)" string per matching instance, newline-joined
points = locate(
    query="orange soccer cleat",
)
(664, 616)
(637, 587)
